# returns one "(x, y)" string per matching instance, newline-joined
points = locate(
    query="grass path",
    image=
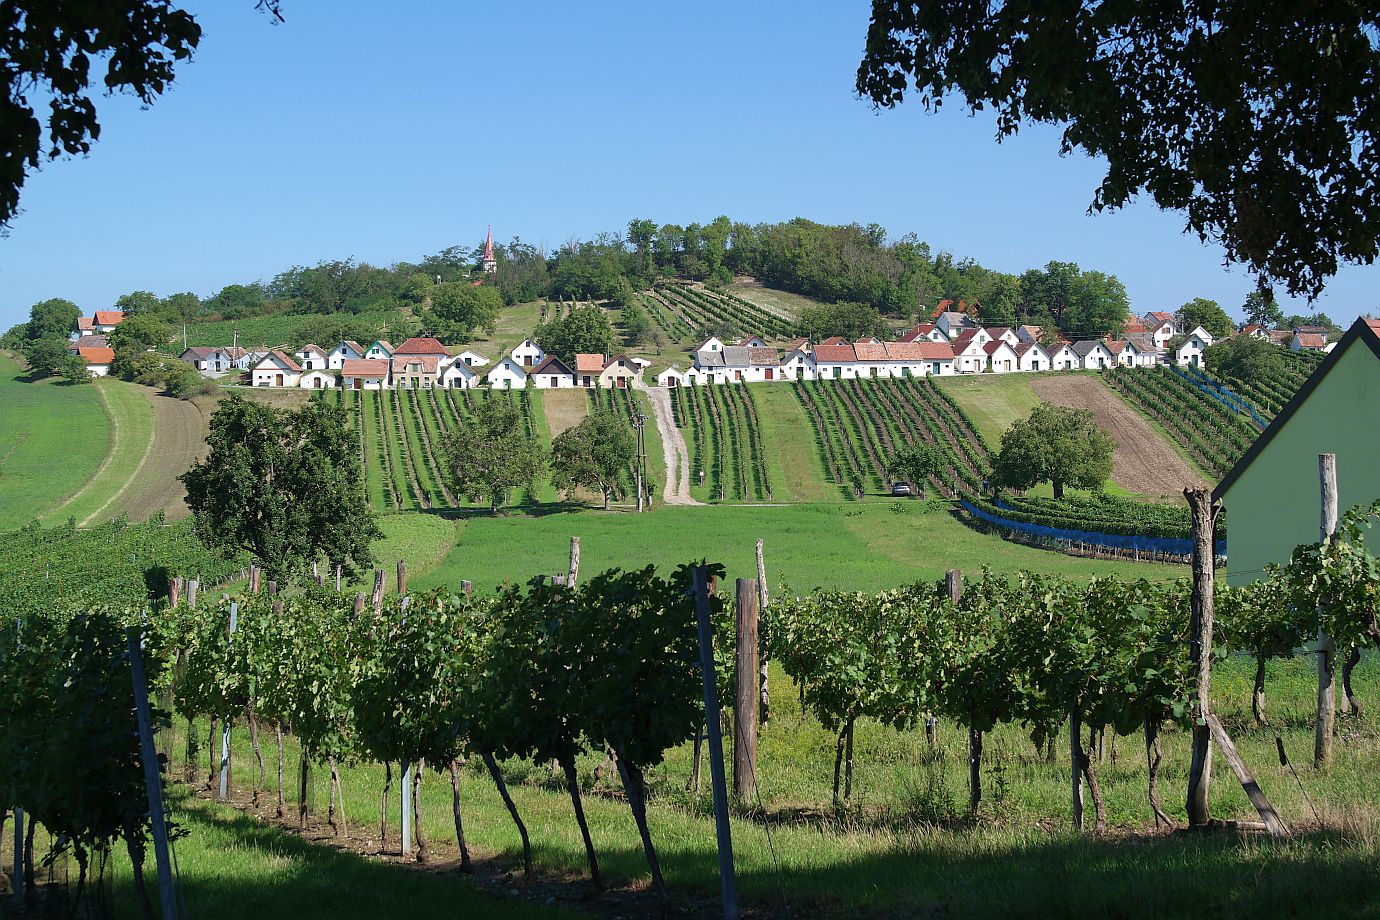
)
(54, 436)
(132, 436)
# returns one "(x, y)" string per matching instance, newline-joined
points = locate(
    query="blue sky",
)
(388, 131)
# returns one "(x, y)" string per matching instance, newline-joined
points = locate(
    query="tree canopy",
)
(284, 486)
(1244, 357)
(491, 454)
(853, 321)
(595, 454)
(1054, 444)
(585, 330)
(1206, 313)
(457, 309)
(1256, 120)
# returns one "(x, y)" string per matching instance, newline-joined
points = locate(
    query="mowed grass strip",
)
(993, 401)
(53, 438)
(131, 436)
(856, 546)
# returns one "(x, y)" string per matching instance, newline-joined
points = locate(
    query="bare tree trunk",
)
(512, 811)
(254, 743)
(1258, 691)
(974, 770)
(465, 865)
(383, 806)
(278, 733)
(636, 790)
(1204, 515)
(1099, 806)
(1152, 763)
(338, 792)
(189, 767)
(423, 855)
(572, 783)
(30, 877)
(1353, 658)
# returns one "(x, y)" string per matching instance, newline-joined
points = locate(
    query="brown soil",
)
(1142, 461)
(179, 440)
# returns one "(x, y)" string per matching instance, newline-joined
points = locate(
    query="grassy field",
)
(993, 401)
(902, 847)
(793, 463)
(862, 546)
(279, 329)
(53, 438)
(132, 436)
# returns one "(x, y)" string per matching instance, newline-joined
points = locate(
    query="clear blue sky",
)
(388, 131)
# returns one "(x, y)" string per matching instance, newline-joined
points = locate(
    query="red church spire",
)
(489, 245)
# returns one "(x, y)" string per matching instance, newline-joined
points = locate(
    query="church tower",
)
(489, 264)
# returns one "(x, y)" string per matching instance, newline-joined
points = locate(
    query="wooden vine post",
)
(402, 577)
(153, 782)
(225, 729)
(407, 766)
(573, 575)
(762, 601)
(1075, 759)
(1327, 651)
(728, 882)
(953, 583)
(1204, 514)
(746, 697)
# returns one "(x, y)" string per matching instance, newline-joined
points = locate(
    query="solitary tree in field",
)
(1255, 119)
(916, 463)
(286, 487)
(1057, 445)
(492, 455)
(594, 454)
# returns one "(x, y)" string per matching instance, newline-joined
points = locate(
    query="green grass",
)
(53, 438)
(993, 401)
(793, 464)
(900, 849)
(864, 546)
(132, 426)
(279, 329)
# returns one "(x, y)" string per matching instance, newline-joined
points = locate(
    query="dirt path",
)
(677, 489)
(1142, 460)
(179, 440)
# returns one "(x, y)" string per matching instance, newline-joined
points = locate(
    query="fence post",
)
(192, 588)
(225, 733)
(573, 575)
(728, 883)
(1075, 758)
(376, 599)
(1204, 512)
(762, 600)
(402, 577)
(406, 809)
(1327, 651)
(153, 783)
(745, 700)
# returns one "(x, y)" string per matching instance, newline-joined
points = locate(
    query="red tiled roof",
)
(905, 351)
(285, 359)
(310, 349)
(403, 364)
(85, 323)
(866, 351)
(1133, 328)
(1116, 347)
(935, 351)
(917, 332)
(94, 341)
(109, 317)
(1374, 324)
(795, 344)
(834, 354)
(421, 345)
(97, 355)
(1311, 340)
(589, 364)
(1160, 316)
(364, 367)
(201, 351)
(835, 340)
(1253, 327)
(767, 357)
(993, 346)
(964, 339)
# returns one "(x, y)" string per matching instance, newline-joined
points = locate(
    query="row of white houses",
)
(926, 350)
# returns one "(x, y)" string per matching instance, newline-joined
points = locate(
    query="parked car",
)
(900, 488)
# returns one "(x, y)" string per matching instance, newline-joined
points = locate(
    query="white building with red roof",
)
(364, 374)
(275, 369)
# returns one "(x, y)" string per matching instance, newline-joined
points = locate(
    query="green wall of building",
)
(1274, 505)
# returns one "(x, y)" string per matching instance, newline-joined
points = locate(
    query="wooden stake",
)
(1076, 760)
(467, 587)
(402, 577)
(1238, 766)
(376, 600)
(1204, 512)
(1327, 651)
(153, 783)
(762, 600)
(337, 579)
(727, 880)
(745, 700)
(572, 577)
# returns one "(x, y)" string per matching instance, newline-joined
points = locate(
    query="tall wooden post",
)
(193, 588)
(272, 587)
(1204, 514)
(745, 699)
(1327, 651)
(174, 591)
(153, 783)
(225, 734)
(1075, 758)
(573, 575)
(402, 577)
(406, 809)
(337, 579)
(376, 599)
(728, 882)
(762, 599)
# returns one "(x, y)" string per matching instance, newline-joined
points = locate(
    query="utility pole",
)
(639, 422)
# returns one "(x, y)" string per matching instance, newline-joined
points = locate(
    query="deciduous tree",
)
(1206, 313)
(594, 454)
(491, 454)
(286, 487)
(1254, 119)
(853, 321)
(1057, 445)
(457, 309)
(586, 330)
